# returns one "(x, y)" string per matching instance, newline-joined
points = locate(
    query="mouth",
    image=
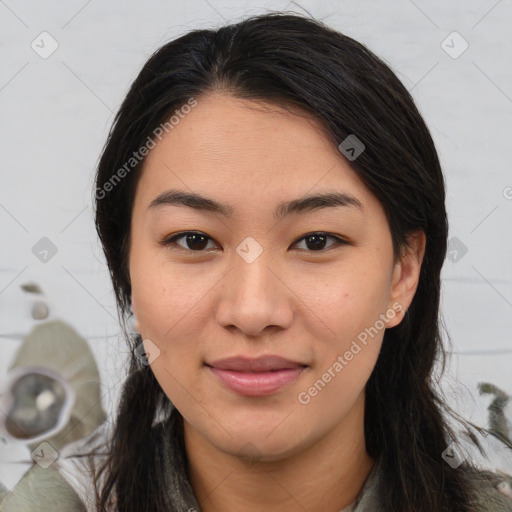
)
(256, 377)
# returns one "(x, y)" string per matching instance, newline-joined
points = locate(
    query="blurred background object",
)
(53, 377)
(51, 399)
(499, 425)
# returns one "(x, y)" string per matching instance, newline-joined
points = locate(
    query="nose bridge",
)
(252, 279)
(252, 295)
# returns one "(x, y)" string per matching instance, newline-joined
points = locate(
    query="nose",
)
(254, 297)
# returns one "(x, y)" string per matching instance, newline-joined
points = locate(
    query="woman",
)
(272, 211)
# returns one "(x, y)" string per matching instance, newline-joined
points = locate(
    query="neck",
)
(328, 475)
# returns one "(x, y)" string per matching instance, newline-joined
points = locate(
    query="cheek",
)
(165, 311)
(350, 297)
(162, 294)
(350, 308)
(170, 318)
(169, 307)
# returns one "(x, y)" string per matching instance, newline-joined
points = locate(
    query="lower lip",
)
(258, 383)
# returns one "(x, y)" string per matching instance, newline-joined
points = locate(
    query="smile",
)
(259, 383)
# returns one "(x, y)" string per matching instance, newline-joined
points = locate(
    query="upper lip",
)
(258, 364)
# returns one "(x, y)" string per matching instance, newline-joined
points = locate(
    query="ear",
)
(406, 274)
(136, 325)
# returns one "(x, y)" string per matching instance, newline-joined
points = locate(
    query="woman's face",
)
(253, 284)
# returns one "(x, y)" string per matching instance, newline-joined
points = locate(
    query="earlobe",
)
(406, 274)
(135, 322)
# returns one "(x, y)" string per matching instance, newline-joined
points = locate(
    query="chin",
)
(253, 452)
(256, 445)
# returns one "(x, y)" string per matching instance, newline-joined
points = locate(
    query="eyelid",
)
(339, 241)
(172, 240)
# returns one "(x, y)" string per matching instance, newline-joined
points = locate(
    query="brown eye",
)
(316, 242)
(197, 242)
(192, 241)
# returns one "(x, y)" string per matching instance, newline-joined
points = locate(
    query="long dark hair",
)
(292, 60)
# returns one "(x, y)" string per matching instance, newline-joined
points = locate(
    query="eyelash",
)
(172, 240)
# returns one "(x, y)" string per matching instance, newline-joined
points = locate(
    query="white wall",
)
(56, 112)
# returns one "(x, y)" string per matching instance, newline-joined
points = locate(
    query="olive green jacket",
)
(65, 486)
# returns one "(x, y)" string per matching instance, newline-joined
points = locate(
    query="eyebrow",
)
(302, 205)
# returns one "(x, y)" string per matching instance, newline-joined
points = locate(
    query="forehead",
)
(231, 147)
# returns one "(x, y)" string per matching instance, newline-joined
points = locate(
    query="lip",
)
(256, 377)
(257, 364)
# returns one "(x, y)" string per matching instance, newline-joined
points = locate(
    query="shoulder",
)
(65, 486)
(492, 490)
(42, 490)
